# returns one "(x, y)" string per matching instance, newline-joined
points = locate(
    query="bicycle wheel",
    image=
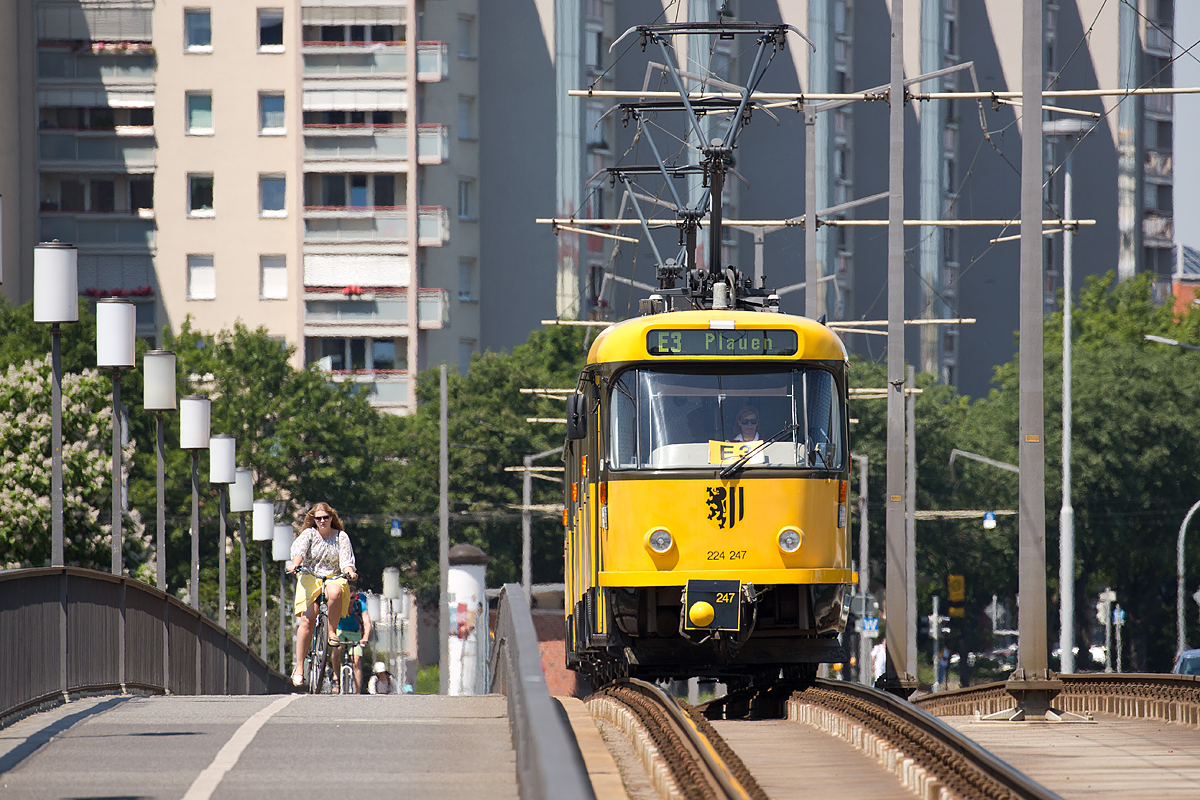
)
(318, 657)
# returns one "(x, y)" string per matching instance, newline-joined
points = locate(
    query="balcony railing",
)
(98, 228)
(116, 150)
(433, 311)
(1159, 104)
(1158, 38)
(368, 142)
(57, 65)
(383, 389)
(1158, 228)
(380, 223)
(433, 62)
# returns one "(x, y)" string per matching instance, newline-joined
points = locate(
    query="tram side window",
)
(822, 419)
(623, 451)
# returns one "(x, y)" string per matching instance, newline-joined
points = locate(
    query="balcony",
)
(385, 390)
(1158, 38)
(119, 229)
(340, 143)
(74, 67)
(1159, 106)
(377, 224)
(348, 60)
(1159, 166)
(373, 314)
(120, 150)
(1158, 231)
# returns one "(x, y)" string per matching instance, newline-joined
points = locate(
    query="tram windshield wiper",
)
(741, 462)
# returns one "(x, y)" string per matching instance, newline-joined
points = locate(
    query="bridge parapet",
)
(67, 630)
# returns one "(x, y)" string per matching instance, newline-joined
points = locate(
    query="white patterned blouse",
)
(324, 556)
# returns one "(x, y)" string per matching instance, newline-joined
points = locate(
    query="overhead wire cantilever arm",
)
(641, 217)
(661, 164)
(683, 92)
(736, 124)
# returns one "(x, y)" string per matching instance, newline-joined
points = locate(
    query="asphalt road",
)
(296, 746)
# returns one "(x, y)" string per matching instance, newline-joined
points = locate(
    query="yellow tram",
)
(697, 543)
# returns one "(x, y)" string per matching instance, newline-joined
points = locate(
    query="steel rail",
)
(949, 755)
(701, 762)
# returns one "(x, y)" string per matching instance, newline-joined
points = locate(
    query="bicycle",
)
(317, 664)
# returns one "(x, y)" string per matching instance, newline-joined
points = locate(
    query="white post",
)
(1066, 515)
(1181, 638)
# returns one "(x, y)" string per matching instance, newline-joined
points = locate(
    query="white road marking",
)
(207, 781)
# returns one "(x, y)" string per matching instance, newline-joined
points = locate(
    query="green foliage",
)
(428, 680)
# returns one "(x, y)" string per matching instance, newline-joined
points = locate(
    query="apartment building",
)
(307, 166)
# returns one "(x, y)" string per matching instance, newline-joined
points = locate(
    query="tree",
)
(25, 471)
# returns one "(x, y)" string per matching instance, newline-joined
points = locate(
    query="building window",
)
(270, 30)
(271, 120)
(201, 278)
(466, 36)
(466, 280)
(273, 283)
(466, 199)
(197, 30)
(594, 124)
(199, 114)
(200, 196)
(593, 41)
(272, 196)
(466, 117)
(141, 193)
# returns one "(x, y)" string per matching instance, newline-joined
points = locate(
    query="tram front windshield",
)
(689, 420)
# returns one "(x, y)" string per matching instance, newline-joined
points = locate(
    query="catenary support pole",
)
(1066, 515)
(910, 521)
(864, 569)
(526, 524)
(812, 270)
(896, 677)
(1032, 656)
(443, 543)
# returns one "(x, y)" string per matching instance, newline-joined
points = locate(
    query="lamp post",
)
(263, 532)
(241, 500)
(1181, 639)
(158, 395)
(222, 470)
(55, 301)
(194, 436)
(116, 327)
(391, 594)
(1070, 128)
(281, 551)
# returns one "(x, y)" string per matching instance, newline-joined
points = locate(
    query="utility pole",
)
(864, 569)
(910, 522)
(896, 679)
(812, 270)
(443, 544)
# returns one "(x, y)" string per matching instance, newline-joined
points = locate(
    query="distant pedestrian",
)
(382, 681)
(943, 666)
(879, 659)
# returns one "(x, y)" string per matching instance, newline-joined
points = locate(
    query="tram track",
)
(928, 756)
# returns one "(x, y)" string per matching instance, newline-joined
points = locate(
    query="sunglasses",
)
(321, 518)
(748, 421)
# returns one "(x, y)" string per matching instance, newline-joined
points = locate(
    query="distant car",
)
(1188, 663)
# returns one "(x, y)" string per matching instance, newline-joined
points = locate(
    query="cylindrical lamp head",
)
(222, 459)
(193, 422)
(158, 380)
(263, 522)
(55, 282)
(391, 583)
(281, 545)
(241, 493)
(116, 334)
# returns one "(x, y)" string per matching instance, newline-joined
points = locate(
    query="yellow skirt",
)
(309, 586)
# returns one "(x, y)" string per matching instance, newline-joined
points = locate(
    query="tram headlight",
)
(660, 541)
(790, 539)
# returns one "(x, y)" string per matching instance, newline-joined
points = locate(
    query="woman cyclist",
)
(324, 548)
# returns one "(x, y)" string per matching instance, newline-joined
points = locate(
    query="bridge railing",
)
(66, 630)
(548, 762)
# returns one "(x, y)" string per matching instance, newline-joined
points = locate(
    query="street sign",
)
(868, 627)
(1119, 616)
(864, 605)
(396, 528)
(989, 520)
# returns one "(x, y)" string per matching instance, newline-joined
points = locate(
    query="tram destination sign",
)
(707, 342)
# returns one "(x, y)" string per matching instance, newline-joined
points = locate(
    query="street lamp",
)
(264, 533)
(116, 348)
(1181, 643)
(241, 500)
(194, 435)
(391, 594)
(1071, 129)
(158, 395)
(281, 551)
(222, 470)
(55, 301)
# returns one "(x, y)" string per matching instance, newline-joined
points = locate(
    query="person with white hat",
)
(382, 681)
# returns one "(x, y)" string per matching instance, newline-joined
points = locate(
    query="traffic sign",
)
(396, 528)
(868, 627)
(1119, 616)
(989, 520)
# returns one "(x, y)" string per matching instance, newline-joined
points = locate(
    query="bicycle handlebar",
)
(308, 571)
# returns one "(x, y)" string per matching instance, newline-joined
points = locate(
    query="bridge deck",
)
(173, 747)
(1113, 758)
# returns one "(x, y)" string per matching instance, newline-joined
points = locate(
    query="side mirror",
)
(577, 411)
